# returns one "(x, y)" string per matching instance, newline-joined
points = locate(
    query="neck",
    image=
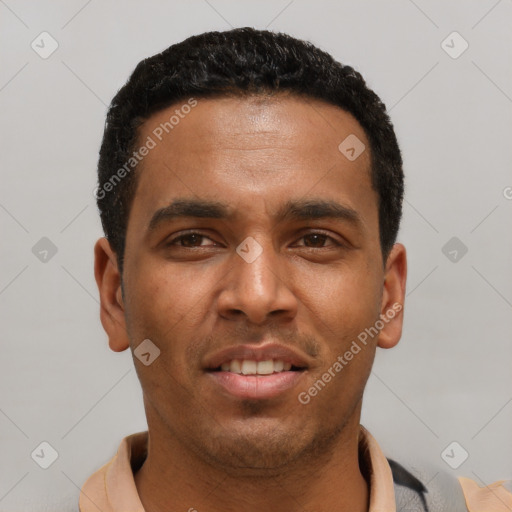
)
(174, 478)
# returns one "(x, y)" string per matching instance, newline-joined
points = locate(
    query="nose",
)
(259, 289)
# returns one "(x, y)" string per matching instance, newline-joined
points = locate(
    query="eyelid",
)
(305, 232)
(184, 234)
(327, 234)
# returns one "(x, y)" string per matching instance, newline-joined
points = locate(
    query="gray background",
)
(448, 380)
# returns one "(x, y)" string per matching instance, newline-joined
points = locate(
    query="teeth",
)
(251, 367)
(278, 366)
(235, 367)
(265, 367)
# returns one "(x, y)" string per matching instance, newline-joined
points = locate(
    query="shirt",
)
(112, 487)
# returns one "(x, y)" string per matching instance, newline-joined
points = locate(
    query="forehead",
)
(272, 147)
(257, 122)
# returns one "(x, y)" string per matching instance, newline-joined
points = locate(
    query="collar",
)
(112, 487)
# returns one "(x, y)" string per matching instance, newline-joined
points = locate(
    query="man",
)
(250, 189)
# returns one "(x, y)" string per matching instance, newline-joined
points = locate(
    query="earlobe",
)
(393, 297)
(108, 280)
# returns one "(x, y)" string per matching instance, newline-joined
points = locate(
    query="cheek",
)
(169, 304)
(341, 304)
(164, 307)
(164, 296)
(345, 299)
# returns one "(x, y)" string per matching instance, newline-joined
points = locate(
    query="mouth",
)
(256, 373)
(253, 367)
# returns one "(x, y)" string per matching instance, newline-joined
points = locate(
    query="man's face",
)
(271, 280)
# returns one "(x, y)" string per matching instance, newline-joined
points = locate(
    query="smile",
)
(256, 372)
(253, 367)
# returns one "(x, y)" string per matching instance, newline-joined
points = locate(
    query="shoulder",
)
(429, 489)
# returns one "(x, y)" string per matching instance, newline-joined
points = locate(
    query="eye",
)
(193, 239)
(189, 240)
(318, 239)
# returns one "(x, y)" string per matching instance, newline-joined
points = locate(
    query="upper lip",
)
(257, 353)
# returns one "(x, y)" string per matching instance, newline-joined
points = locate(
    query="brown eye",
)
(188, 240)
(318, 241)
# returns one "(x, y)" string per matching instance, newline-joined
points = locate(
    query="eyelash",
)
(190, 233)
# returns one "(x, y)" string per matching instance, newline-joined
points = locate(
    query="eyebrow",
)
(308, 209)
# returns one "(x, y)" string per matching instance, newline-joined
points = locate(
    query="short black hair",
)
(242, 61)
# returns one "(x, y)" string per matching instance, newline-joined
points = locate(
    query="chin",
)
(264, 447)
(251, 454)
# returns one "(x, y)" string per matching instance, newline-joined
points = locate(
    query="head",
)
(233, 215)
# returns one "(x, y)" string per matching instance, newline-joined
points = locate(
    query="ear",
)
(393, 297)
(108, 280)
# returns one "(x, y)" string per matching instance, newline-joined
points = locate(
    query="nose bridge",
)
(257, 266)
(254, 284)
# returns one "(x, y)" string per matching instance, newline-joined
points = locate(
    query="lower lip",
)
(256, 387)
